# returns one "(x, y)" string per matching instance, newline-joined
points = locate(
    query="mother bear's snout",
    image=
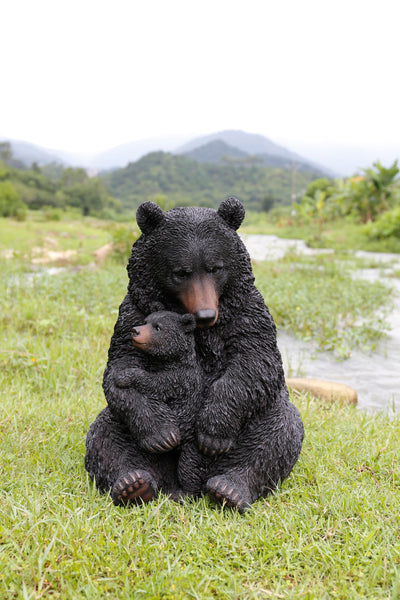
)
(205, 318)
(199, 297)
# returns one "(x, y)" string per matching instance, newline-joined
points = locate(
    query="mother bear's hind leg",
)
(117, 464)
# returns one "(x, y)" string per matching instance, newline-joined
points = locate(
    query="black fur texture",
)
(244, 436)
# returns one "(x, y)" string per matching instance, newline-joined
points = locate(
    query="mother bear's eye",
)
(215, 268)
(182, 273)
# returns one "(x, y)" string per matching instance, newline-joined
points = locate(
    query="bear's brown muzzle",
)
(200, 298)
(141, 336)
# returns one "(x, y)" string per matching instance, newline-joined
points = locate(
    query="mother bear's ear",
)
(232, 211)
(148, 216)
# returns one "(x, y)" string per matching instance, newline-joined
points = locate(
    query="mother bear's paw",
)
(212, 446)
(222, 489)
(163, 440)
(136, 487)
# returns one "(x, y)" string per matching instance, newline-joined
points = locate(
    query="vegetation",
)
(334, 310)
(218, 151)
(363, 210)
(187, 182)
(340, 234)
(330, 531)
(372, 197)
(72, 238)
(55, 187)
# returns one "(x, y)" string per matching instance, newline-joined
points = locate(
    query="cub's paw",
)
(156, 307)
(212, 446)
(126, 378)
(164, 440)
(223, 490)
(136, 487)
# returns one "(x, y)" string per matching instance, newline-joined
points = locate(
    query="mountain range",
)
(232, 147)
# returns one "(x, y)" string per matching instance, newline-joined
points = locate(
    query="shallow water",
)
(375, 376)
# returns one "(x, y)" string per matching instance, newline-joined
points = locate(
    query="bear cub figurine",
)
(170, 376)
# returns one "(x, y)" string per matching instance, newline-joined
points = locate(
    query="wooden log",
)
(327, 390)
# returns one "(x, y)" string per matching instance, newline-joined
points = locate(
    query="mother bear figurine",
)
(191, 260)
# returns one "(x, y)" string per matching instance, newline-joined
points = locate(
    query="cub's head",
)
(165, 335)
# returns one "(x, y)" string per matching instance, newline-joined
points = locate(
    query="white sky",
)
(87, 75)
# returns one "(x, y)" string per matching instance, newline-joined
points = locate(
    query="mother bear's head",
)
(189, 259)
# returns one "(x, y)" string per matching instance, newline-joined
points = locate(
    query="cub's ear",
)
(148, 216)
(232, 211)
(188, 322)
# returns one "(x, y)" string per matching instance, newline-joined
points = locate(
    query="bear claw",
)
(158, 444)
(222, 490)
(137, 487)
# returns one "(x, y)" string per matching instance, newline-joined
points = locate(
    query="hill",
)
(251, 143)
(251, 148)
(222, 147)
(215, 152)
(185, 181)
(339, 158)
(28, 153)
(49, 187)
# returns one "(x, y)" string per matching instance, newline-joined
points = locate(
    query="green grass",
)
(84, 235)
(330, 531)
(340, 234)
(317, 298)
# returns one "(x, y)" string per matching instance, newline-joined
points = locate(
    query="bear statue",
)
(247, 435)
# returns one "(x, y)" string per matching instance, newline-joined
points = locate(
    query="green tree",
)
(379, 187)
(90, 195)
(318, 202)
(10, 200)
(365, 197)
(267, 203)
(72, 177)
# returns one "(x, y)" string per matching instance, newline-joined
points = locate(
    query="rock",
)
(42, 256)
(8, 253)
(50, 241)
(101, 253)
(327, 390)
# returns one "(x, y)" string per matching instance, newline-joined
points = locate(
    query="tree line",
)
(184, 181)
(371, 198)
(51, 187)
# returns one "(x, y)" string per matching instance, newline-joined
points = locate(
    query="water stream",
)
(375, 376)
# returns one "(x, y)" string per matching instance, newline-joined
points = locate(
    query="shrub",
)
(388, 225)
(52, 214)
(123, 237)
(10, 201)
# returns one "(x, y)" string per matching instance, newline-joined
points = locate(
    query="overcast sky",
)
(88, 75)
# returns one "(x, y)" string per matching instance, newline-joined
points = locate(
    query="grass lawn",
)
(330, 531)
